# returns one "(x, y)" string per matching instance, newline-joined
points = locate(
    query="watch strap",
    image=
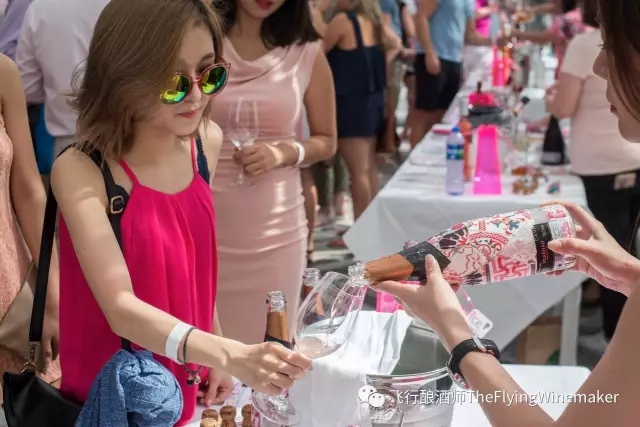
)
(462, 349)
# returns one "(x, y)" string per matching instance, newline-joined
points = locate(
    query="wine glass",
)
(242, 127)
(325, 321)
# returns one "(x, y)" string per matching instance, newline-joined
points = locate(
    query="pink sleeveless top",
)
(169, 244)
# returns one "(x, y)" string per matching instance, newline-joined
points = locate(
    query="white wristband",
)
(176, 335)
(301, 152)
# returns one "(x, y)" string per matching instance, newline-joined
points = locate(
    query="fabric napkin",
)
(328, 396)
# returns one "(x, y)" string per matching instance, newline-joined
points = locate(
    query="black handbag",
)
(28, 400)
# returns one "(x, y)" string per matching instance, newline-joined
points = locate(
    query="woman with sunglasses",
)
(142, 103)
(616, 378)
(278, 62)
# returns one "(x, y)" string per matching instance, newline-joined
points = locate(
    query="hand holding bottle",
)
(436, 304)
(268, 367)
(598, 254)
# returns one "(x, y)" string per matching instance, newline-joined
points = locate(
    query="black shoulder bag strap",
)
(117, 199)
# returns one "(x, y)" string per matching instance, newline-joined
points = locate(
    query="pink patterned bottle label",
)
(505, 246)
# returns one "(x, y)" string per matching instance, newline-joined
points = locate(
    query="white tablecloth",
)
(414, 206)
(559, 381)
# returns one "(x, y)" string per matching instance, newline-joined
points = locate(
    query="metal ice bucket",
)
(419, 391)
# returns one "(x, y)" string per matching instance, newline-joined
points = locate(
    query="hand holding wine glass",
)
(242, 128)
(268, 367)
(324, 323)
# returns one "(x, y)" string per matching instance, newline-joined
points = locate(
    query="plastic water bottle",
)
(454, 181)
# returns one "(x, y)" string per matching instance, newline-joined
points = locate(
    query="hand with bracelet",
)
(267, 367)
(260, 158)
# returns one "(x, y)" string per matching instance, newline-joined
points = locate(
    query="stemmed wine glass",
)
(242, 127)
(325, 321)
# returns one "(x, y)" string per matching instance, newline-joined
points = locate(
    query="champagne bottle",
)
(277, 329)
(553, 146)
(309, 279)
(484, 250)
(466, 129)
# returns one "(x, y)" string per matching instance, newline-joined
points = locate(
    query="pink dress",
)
(14, 257)
(169, 244)
(262, 228)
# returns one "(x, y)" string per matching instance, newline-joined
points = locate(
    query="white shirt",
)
(54, 40)
(596, 146)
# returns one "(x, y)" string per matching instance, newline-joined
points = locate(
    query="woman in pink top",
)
(277, 60)
(141, 104)
(608, 164)
(22, 200)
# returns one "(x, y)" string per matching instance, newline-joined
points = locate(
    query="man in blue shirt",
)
(391, 12)
(443, 27)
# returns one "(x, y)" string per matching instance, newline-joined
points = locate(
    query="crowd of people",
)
(149, 86)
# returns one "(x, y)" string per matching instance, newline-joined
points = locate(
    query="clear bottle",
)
(277, 329)
(454, 181)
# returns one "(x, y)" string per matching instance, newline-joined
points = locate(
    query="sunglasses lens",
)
(177, 90)
(213, 80)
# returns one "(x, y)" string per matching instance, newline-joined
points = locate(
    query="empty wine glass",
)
(324, 323)
(242, 127)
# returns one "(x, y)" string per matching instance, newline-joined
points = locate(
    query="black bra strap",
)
(201, 159)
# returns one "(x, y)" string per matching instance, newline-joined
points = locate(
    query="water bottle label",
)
(455, 151)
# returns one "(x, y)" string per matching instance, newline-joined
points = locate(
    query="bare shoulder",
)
(339, 19)
(211, 136)
(9, 74)
(8, 68)
(74, 176)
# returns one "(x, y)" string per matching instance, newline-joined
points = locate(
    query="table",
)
(561, 380)
(414, 206)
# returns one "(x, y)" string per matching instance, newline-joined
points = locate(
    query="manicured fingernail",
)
(209, 402)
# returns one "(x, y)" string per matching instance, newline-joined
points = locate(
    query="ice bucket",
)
(419, 391)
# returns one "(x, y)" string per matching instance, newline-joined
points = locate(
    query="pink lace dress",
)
(14, 257)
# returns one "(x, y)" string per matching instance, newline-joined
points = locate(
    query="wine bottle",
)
(466, 129)
(553, 146)
(277, 329)
(484, 250)
(309, 279)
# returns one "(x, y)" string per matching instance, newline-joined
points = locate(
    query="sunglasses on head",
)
(211, 81)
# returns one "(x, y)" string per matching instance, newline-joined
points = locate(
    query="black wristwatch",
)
(464, 348)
